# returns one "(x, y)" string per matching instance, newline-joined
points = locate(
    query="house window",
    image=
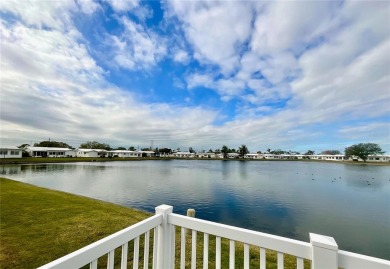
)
(3, 152)
(14, 152)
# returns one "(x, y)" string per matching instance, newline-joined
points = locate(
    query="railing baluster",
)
(280, 260)
(146, 250)
(183, 248)
(205, 251)
(262, 258)
(93, 264)
(136, 253)
(299, 263)
(125, 248)
(110, 260)
(218, 252)
(155, 243)
(193, 252)
(173, 245)
(232, 253)
(246, 256)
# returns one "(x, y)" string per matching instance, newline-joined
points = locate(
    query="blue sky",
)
(292, 75)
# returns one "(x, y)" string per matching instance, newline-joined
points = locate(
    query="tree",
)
(224, 151)
(243, 150)
(310, 152)
(165, 151)
(331, 152)
(278, 152)
(210, 151)
(191, 150)
(132, 148)
(95, 145)
(120, 148)
(52, 144)
(362, 150)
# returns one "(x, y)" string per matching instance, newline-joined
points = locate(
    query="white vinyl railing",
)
(322, 251)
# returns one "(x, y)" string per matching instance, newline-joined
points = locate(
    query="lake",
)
(291, 199)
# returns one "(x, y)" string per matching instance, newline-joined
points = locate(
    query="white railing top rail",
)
(95, 250)
(268, 241)
(353, 260)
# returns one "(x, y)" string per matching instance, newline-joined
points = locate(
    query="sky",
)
(290, 75)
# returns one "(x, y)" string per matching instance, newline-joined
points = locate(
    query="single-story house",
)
(94, 153)
(124, 153)
(328, 157)
(147, 153)
(50, 152)
(233, 155)
(206, 155)
(378, 158)
(253, 156)
(10, 152)
(184, 154)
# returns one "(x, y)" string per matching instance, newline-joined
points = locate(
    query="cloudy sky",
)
(291, 75)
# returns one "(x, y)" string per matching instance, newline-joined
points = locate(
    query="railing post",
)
(324, 252)
(164, 241)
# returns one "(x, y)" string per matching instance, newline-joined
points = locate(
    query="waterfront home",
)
(94, 153)
(253, 156)
(378, 158)
(338, 157)
(10, 152)
(233, 155)
(50, 152)
(124, 153)
(147, 153)
(206, 155)
(184, 154)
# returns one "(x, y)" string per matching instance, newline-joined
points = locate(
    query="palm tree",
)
(243, 150)
(224, 151)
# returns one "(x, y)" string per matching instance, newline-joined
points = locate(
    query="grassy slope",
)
(40, 225)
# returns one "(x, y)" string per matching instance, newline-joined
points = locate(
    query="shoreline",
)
(32, 160)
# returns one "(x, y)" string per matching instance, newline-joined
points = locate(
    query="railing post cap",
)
(323, 241)
(164, 209)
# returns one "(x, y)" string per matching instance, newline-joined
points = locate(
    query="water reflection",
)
(283, 198)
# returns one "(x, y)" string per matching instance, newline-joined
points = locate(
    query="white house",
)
(184, 154)
(91, 153)
(50, 152)
(253, 156)
(147, 153)
(378, 158)
(10, 152)
(124, 153)
(208, 155)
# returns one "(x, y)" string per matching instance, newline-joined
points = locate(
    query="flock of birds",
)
(334, 179)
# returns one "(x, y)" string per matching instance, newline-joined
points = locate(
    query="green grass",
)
(38, 225)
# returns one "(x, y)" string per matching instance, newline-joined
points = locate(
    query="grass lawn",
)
(38, 225)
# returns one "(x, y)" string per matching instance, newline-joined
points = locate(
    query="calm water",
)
(284, 198)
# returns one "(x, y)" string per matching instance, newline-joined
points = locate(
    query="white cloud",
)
(51, 87)
(54, 14)
(137, 47)
(123, 5)
(216, 30)
(181, 56)
(290, 25)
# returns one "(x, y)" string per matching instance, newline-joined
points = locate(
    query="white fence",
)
(322, 251)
